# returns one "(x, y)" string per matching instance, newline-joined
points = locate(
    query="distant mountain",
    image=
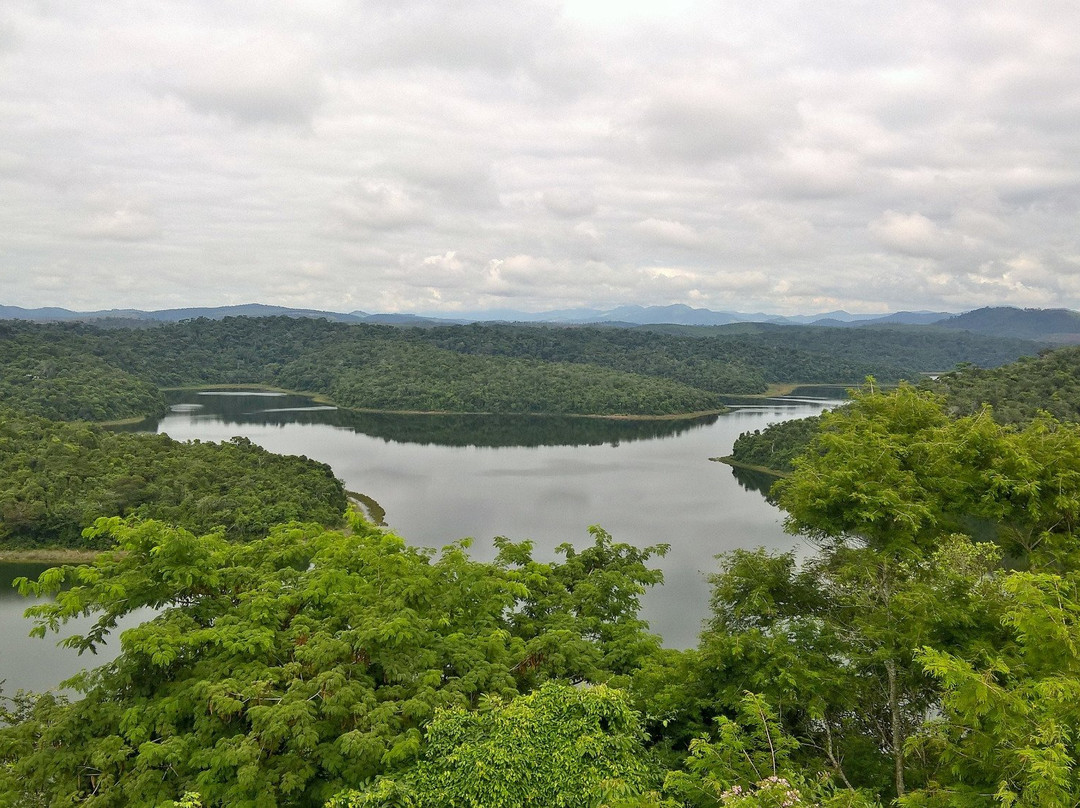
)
(897, 318)
(677, 314)
(408, 319)
(46, 315)
(250, 310)
(569, 316)
(831, 318)
(175, 315)
(909, 318)
(1045, 325)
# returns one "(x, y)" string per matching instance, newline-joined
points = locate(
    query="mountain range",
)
(1046, 325)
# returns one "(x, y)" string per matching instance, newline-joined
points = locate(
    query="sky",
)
(783, 156)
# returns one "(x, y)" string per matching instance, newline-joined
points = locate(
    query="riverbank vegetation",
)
(902, 663)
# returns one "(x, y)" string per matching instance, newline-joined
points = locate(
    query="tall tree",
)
(831, 646)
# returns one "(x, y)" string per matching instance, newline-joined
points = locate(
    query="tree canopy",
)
(282, 670)
(56, 479)
(72, 370)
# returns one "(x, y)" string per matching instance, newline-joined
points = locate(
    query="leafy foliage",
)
(1011, 716)
(749, 764)
(557, 746)
(286, 669)
(870, 471)
(830, 645)
(56, 479)
(894, 470)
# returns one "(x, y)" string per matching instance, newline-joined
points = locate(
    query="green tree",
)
(749, 763)
(872, 472)
(831, 646)
(557, 746)
(1009, 732)
(282, 670)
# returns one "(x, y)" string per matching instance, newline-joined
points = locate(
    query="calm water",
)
(440, 478)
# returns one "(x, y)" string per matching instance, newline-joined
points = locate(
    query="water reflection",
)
(31, 663)
(754, 480)
(249, 407)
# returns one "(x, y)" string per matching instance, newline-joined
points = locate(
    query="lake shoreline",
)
(320, 398)
(773, 391)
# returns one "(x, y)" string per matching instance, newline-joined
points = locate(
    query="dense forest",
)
(57, 478)
(477, 368)
(1019, 391)
(908, 350)
(903, 663)
(64, 380)
(1016, 393)
(775, 447)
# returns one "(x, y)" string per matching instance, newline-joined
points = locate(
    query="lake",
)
(441, 478)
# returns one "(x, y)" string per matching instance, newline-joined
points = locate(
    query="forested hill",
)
(1017, 393)
(79, 371)
(728, 358)
(57, 478)
(1050, 325)
(914, 348)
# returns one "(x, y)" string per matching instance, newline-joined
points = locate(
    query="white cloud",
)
(264, 79)
(570, 203)
(770, 156)
(378, 206)
(123, 224)
(909, 233)
(665, 231)
(713, 121)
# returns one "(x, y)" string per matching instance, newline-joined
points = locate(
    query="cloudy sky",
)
(445, 155)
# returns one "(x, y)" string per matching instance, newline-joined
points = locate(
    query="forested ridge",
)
(477, 368)
(1016, 393)
(57, 478)
(55, 374)
(907, 349)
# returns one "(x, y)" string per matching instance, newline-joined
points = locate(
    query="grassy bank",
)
(731, 461)
(47, 555)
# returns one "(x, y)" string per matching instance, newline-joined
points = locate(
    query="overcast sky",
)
(780, 155)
